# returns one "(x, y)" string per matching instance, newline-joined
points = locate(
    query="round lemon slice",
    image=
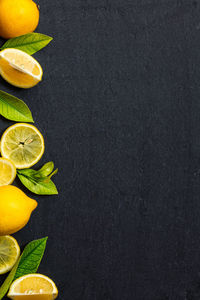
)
(23, 144)
(7, 172)
(33, 285)
(9, 253)
(19, 68)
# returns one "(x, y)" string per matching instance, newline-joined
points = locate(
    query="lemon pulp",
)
(19, 68)
(9, 253)
(33, 286)
(23, 144)
(7, 172)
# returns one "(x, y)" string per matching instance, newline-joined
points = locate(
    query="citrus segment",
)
(7, 172)
(33, 285)
(19, 68)
(9, 253)
(23, 144)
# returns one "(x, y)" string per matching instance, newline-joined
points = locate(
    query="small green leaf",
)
(39, 182)
(47, 168)
(29, 43)
(14, 109)
(28, 263)
(53, 173)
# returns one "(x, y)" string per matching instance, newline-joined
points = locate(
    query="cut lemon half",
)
(23, 144)
(7, 172)
(19, 68)
(9, 253)
(33, 286)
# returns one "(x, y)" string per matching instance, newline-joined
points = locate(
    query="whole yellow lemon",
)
(15, 209)
(18, 17)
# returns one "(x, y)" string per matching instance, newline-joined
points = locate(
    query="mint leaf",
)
(39, 182)
(28, 263)
(29, 43)
(14, 109)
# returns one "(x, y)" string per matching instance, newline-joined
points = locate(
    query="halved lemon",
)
(19, 68)
(33, 286)
(7, 171)
(23, 144)
(9, 253)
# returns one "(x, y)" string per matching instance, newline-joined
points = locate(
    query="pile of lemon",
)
(21, 146)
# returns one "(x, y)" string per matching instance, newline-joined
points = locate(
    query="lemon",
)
(32, 285)
(23, 144)
(19, 68)
(15, 209)
(9, 253)
(7, 171)
(17, 17)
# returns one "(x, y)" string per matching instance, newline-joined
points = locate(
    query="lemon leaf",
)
(39, 182)
(39, 187)
(47, 168)
(29, 43)
(9, 279)
(28, 263)
(14, 109)
(31, 257)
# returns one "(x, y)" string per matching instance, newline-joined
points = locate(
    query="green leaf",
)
(53, 173)
(31, 257)
(39, 187)
(14, 109)
(29, 43)
(9, 279)
(39, 182)
(47, 168)
(28, 263)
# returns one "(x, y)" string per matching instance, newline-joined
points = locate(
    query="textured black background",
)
(119, 107)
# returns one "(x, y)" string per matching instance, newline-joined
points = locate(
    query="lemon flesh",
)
(19, 68)
(33, 286)
(23, 144)
(7, 172)
(9, 253)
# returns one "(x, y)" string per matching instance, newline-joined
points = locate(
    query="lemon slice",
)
(23, 144)
(7, 172)
(19, 68)
(33, 286)
(9, 253)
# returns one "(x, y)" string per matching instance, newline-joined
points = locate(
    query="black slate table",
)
(119, 107)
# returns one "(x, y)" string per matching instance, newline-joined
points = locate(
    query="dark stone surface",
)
(119, 107)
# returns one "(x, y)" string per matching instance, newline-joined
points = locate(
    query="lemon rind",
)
(24, 166)
(8, 268)
(10, 163)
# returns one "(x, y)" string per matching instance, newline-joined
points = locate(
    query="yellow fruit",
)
(19, 68)
(7, 172)
(23, 144)
(9, 253)
(15, 209)
(18, 17)
(33, 286)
